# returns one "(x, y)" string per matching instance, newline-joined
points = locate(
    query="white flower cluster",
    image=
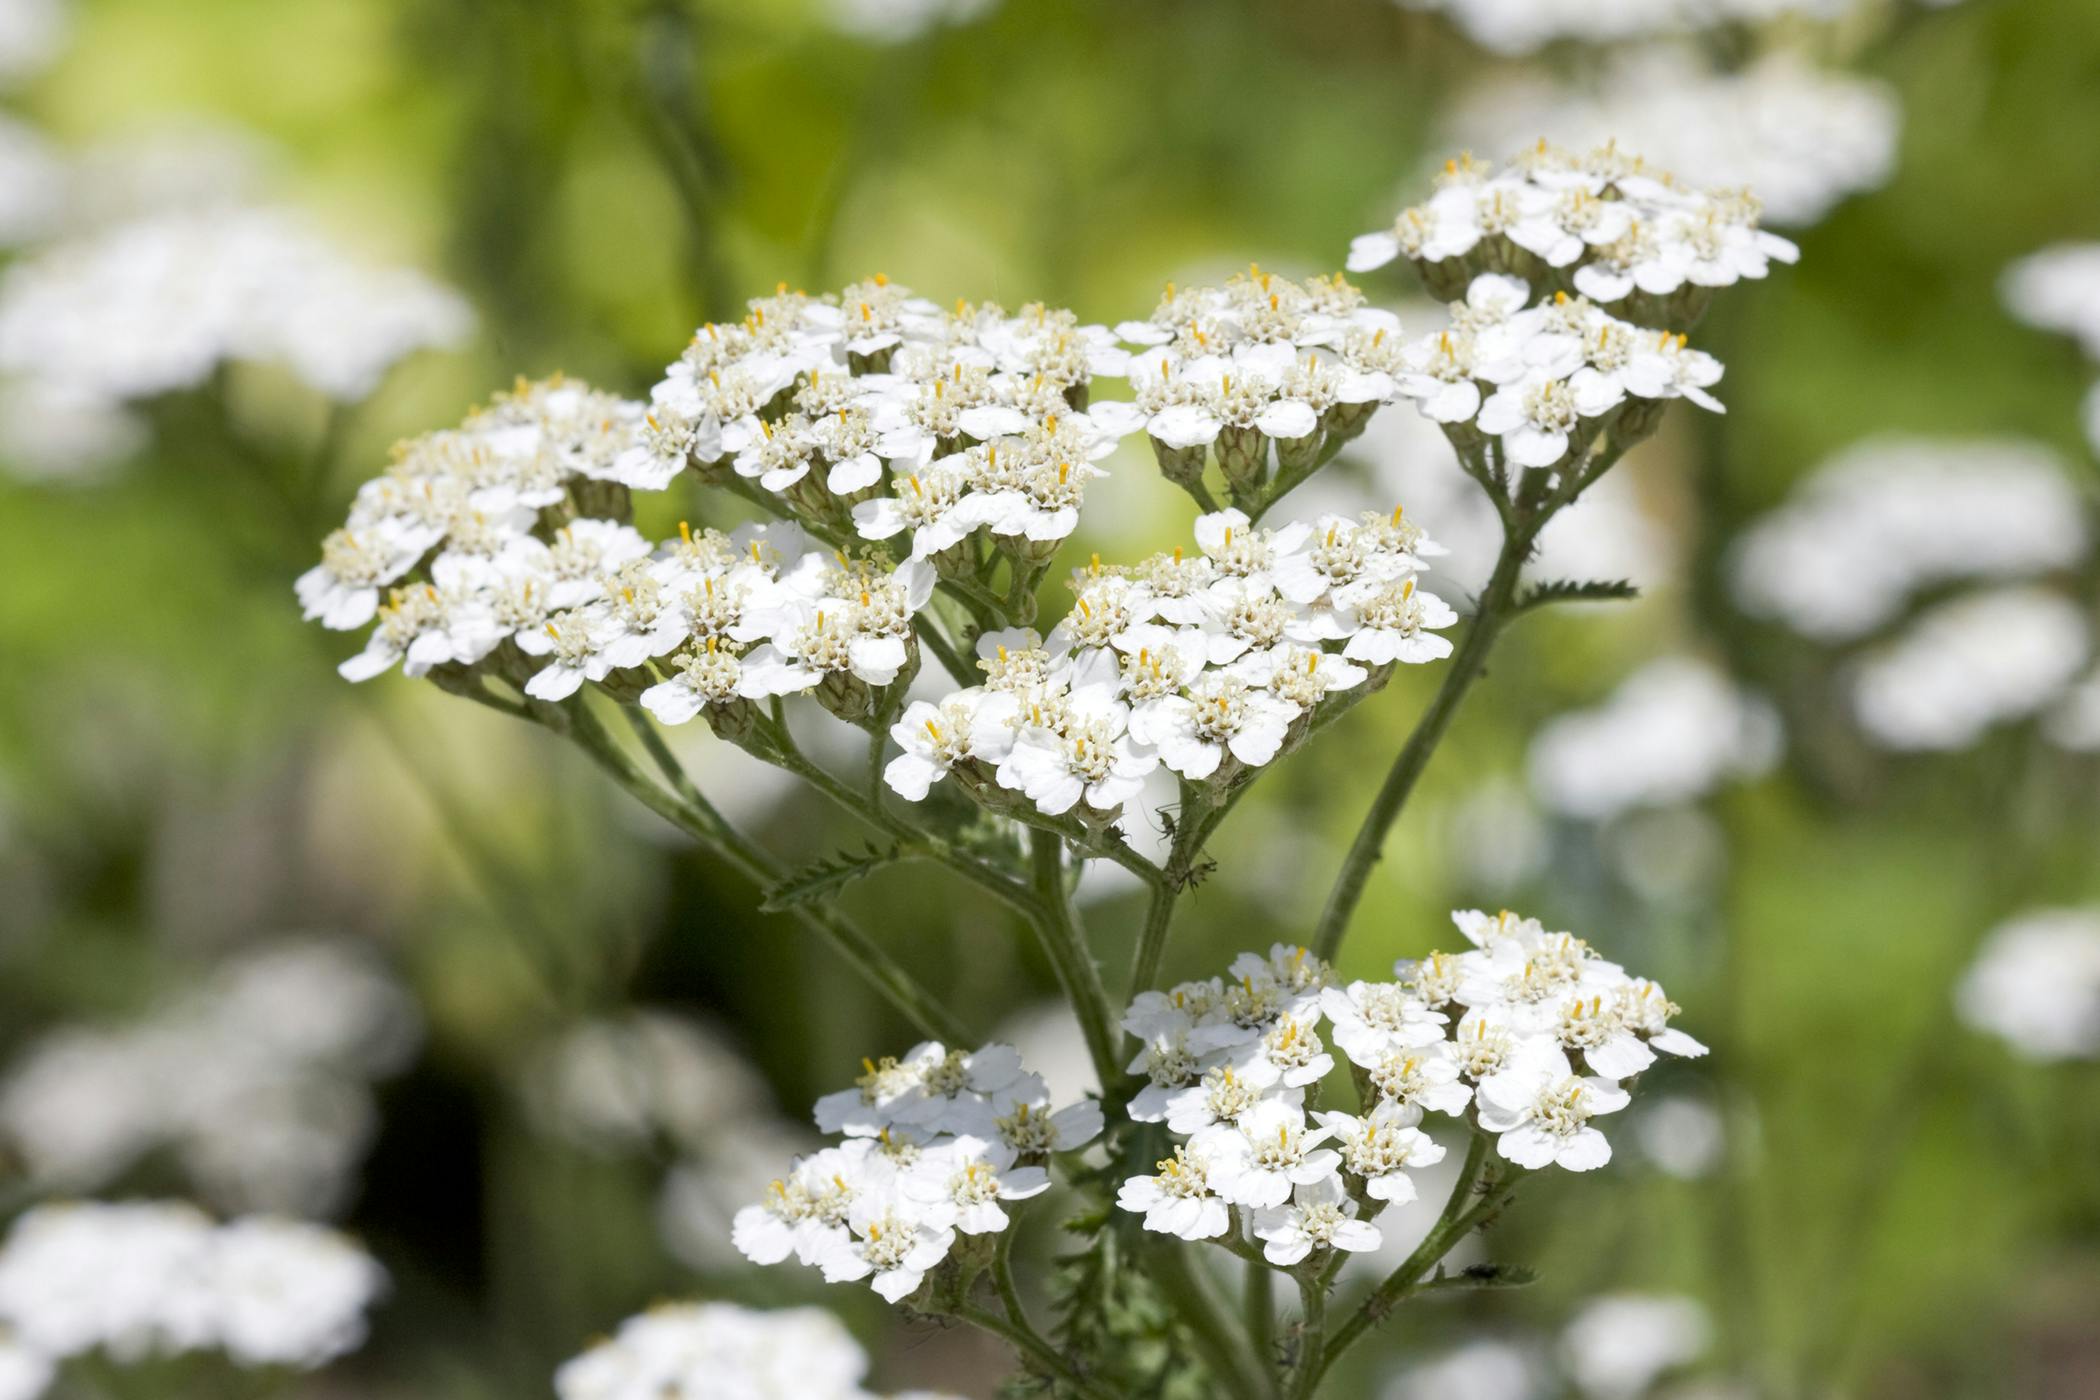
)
(718, 1351)
(1618, 1346)
(1545, 380)
(1604, 225)
(1866, 535)
(1970, 664)
(1211, 662)
(1262, 359)
(1867, 531)
(32, 183)
(259, 1083)
(155, 306)
(1524, 1036)
(2058, 289)
(935, 1142)
(877, 413)
(1522, 26)
(1803, 137)
(2036, 985)
(143, 1280)
(1672, 732)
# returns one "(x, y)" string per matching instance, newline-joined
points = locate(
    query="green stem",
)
(1064, 943)
(1457, 1221)
(704, 824)
(1492, 614)
(1025, 1340)
(1312, 1332)
(1258, 1309)
(1232, 1362)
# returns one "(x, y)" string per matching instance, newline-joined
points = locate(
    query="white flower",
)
(1219, 714)
(967, 1178)
(1319, 1216)
(289, 1293)
(1869, 530)
(2036, 985)
(1671, 733)
(969, 726)
(1374, 1019)
(1396, 624)
(1180, 1200)
(1968, 665)
(890, 1242)
(1266, 1152)
(1537, 416)
(1617, 1347)
(1225, 1091)
(719, 1351)
(1541, 1110)
(1090, 755)
(2058, 289)
(1379, 1148)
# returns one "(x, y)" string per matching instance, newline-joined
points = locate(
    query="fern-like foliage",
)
(827, 874)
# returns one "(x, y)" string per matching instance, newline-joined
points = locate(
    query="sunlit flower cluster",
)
(1803, 137)
(718, 1351)
(1672, 732)
(1210, 662)
(1524, 1036)
(143, 1280)
(258, 1083)
(1970, 664)
(1262, 361)
(876, 413)
(1605, 225)
(2036, 985)
(935, 1143)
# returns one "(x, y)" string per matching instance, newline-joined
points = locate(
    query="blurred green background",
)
(1902, 1208)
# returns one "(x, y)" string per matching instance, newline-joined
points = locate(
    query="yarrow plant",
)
(875, 491)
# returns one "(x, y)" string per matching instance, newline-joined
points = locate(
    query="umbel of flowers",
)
(873, 491)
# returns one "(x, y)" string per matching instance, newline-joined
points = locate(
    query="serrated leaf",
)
(829, 873)
(1577, 591)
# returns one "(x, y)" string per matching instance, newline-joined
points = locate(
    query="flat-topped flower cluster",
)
(934, 1143)
(147, 1279)
(1603, 225)
(1211, 661)
(1525, 1036)
(718, 1351)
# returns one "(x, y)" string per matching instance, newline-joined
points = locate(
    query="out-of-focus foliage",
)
(1901, 1208)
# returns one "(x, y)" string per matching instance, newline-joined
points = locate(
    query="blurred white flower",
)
(1671, 733)
(1801, 137)
(895, 21)
(52, 430)
(1682, 1136)
(259, 1082)
(32, 182)
(24, 1374)
(2036, 985)
(1892, 516)
(1619, 1346)
(154, 1279)
(1968, 665)
(156, 305)
(2075, 722)
(620, 1085)
(718, 1351)
(31, 34)
(2058, 289)
(1483, 1369)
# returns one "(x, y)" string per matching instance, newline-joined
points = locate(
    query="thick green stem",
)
(1064, 943)
(1312, 1332)
(704, 824)
(1497, 602)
